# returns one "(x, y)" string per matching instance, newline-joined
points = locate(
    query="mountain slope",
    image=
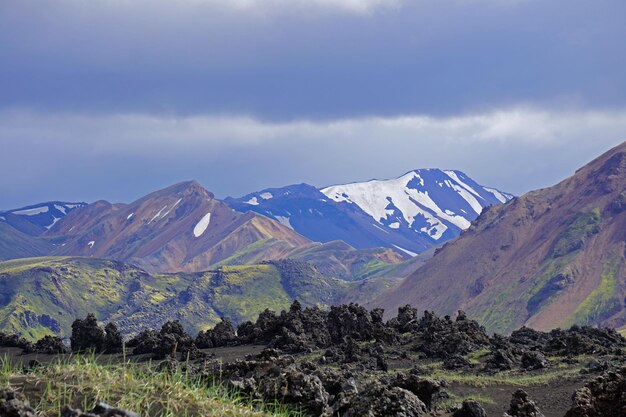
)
(15, 244)
(307, 210)
(409, 214)
(551, 258)
(36, 219)
(180, 228)
(41, 296)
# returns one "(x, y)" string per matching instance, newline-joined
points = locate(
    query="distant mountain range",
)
(409, 214)
(550, 258)
(349, 231)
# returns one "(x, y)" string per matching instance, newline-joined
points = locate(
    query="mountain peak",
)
(408, 214)
(183, 189)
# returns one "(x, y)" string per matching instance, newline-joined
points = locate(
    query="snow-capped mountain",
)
(308, 211)
(410, 214)
(36, 219)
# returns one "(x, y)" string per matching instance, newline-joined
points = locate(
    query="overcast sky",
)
(112, 99)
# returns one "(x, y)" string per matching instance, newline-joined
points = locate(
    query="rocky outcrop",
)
(522, 406)
(602, 397)
(14, 404)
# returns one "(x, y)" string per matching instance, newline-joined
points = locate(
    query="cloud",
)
(143, 132)
(122, 156)
(313, 59)
(353, 6)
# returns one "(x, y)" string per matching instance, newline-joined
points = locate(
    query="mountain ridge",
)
(550, 258)
(328, 213)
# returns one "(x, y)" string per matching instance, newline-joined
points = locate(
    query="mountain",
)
(409, 214)
(36, 219)
(185, 228)
(40, 296)
(15, 244)
(179, 228)
(551, 258)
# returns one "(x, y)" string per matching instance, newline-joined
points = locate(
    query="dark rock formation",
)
(470, 408)
(522, 406)
(100, 410)
(223, 334)
(605, 396)
(14, 404)
(11, 340)
(87, 335)
(113, 342)
(50, 345)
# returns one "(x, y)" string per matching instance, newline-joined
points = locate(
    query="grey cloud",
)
(121, 156)
(424, 56)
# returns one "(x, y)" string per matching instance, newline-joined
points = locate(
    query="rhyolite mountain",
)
(409, 214)
(550, 258)
(36, 219)
(182, 228)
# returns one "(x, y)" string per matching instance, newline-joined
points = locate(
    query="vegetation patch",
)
(82, 381)
(603, 301)
(551, 279)
(511, 378)
(244, 291)
(578, 231)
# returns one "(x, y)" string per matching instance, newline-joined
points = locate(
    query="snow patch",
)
(408, 252)
(202, 225)
(130, 216)
(253, 201)
(54, 221)
(175, 204)
(285, 221)
(157, 215)
(380, 228)
(467, 192)
(378, 198)
(32, 212)
(456, 178)
(91, 243)
(497, 194)
(60, 208)
(266, 196)
(395, 225)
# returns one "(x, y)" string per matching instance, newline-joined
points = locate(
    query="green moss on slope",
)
(603, 301)
(44, 295)
(580, 228)
(242, 292)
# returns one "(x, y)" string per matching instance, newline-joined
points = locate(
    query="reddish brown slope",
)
(158, 232)
(550, 258)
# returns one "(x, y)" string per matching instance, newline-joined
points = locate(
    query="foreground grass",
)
(80, 381)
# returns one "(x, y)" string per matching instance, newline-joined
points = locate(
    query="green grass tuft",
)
(82, 381)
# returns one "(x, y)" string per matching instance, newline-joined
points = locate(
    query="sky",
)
(113, 99)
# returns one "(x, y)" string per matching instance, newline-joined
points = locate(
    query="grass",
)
(505, 378)
(81, 381)
(455, 400)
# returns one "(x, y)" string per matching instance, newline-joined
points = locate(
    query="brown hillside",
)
(550, 258)
(161, 231)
